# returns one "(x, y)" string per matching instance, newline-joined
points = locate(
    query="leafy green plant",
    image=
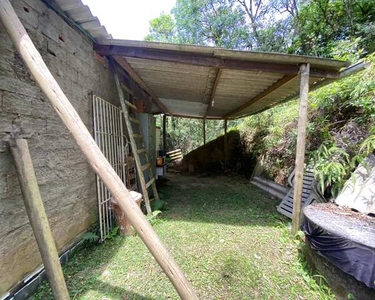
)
(153, 217)
(158, 205)
(91, 237)
(331, 167)
(113, 233)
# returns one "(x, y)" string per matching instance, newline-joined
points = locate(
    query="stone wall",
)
(66, 181)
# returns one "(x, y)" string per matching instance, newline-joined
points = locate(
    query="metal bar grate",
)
(109, 135)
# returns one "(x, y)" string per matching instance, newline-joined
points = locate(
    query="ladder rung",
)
(140, 151)
(137, 136)
(134, 120)
(124, 87)
(145, 167)
(130, 104)
(150, 182)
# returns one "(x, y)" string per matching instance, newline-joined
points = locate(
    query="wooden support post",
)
(89, 148)
(204, 131)
(226, 140)
(165, 134)
(300, 150)
(38, 218)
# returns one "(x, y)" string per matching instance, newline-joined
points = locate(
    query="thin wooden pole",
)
(225, 140)
(165, 134)
(91, 151)
(38, 217)
(300, 151)
(204, 131)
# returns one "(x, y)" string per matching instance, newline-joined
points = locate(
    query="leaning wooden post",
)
(38, 217)
(204, 131)
(225, 140)
(300, 150)
(89, 148)
(165, 134)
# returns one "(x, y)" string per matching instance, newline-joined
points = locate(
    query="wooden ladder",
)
(135, 134)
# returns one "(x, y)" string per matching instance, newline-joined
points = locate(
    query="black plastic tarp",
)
(351, 257)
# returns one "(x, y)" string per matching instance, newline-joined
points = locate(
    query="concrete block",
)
(18, 86)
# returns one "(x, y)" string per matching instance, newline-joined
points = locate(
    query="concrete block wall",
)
(66, 182)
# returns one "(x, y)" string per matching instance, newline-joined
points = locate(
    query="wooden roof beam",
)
(263, 94)
(213, 92)
(198, 59)
(126, 66)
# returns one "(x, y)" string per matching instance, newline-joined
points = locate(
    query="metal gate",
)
(109, 135)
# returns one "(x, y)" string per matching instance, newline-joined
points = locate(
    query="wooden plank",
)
(204, 60)
(269, 90)
(174, 151)
(125, 65)
(130, 105)
(150, 182)
(300, 150)
(140, 151)
(226, 140)
(126, 89)
(145, 167)
(195, 117)
(204, 131)
(38, 217)
(212, 96)
(134, 120)
(165, 133)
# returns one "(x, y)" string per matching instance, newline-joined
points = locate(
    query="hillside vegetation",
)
(340, 131)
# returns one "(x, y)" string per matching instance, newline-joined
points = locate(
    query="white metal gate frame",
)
(109, 136)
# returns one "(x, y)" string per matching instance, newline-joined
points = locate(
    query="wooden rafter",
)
(194, 58)
(192, 117)
(263, 94)
(126, 66)
(212, 96)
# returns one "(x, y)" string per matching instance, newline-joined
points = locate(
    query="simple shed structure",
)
(176, 80)
(214, 83)
(218, 84)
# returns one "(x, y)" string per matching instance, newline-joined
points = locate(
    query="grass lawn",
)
(225, 234)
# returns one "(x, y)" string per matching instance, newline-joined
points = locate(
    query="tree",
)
(323, 24)
(211, 22)
(162, 29)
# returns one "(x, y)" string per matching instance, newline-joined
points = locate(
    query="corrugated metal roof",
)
(183, 76)
(200, 81)
(81, 14)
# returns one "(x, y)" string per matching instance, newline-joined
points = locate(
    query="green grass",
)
(226, 236)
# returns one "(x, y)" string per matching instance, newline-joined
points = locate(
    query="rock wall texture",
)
(66, 181)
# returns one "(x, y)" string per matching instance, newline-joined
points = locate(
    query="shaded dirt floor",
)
(225, 234)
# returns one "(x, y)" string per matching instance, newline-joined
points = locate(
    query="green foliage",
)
(113, 233)
(153, 217)
(340, 132)
(90, 237)
(162, 29)
(332, 166)
(158, 205)
(323, 24)
(331, 28)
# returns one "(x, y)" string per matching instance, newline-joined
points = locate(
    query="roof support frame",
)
(126, 66)
(192, 58)
(263, 94)
(212, 96)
